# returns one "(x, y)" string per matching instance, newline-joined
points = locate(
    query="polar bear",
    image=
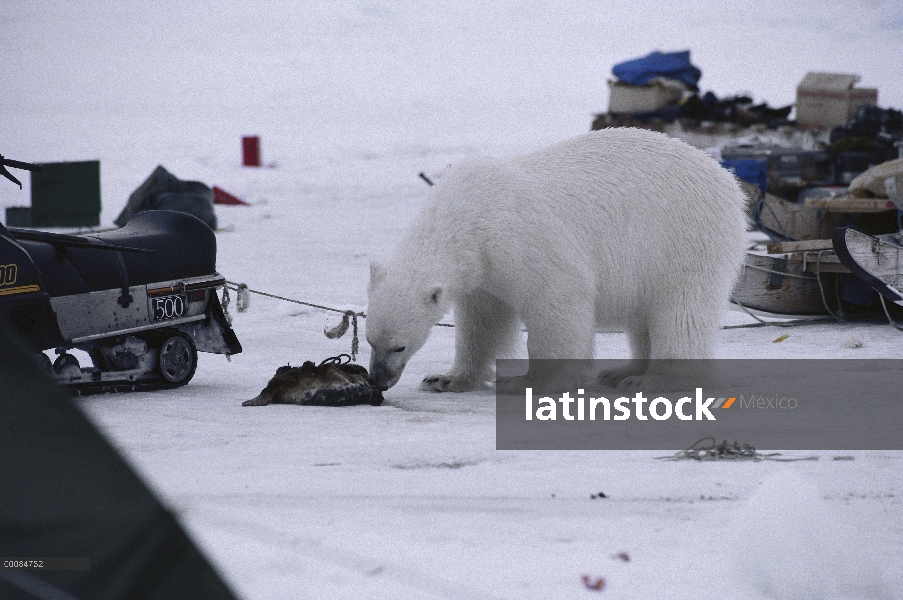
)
(618, 227)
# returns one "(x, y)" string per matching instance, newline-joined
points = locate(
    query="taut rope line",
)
(349, 317)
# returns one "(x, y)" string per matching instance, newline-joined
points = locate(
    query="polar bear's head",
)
(401, 311)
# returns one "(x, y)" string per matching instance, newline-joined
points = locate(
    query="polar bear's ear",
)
(434, 296)
(377, 272)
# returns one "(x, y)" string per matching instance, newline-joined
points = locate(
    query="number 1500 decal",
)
(8, 274)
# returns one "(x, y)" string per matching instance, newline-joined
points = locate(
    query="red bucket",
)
(250, 151)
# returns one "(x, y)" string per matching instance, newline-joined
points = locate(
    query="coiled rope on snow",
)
(727, 451)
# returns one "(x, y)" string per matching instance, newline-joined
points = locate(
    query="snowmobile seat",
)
(183, 246)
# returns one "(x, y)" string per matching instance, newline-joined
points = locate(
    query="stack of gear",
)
(872, 137)
(665, 87)
(732, 109)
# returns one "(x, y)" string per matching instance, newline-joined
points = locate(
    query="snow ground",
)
(352, 100)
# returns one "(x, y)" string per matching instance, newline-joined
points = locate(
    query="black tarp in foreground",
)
(66, 493)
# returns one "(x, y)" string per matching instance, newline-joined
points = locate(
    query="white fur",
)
(619, 227)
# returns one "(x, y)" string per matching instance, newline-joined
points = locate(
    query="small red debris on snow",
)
(597, 585)
(622, 556)
(221, 196)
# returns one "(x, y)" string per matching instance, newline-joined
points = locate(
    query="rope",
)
(225, 304)
(340, 329)
(890, 320)
(757, 219)
(237, 286)
(349, 317)
(336, 360)
(725, 451)
(821, 288)
(762, 322)
(767, 270)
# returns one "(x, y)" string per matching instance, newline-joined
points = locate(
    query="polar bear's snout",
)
(380, 375)
(383, 373)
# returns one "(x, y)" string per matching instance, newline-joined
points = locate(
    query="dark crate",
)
(789, 170)
(18, 216)
(807, 168)
(66, 194)
(851, 164)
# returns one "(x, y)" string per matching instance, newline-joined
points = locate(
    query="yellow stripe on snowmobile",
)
(22, 289)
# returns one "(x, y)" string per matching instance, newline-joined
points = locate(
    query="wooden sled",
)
(791, 283)
(804, 278)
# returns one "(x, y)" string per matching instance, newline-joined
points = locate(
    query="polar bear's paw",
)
(633, 382)
(554, 383)
(656, 382)
(615, 378)
(511, 385)
(447, 383)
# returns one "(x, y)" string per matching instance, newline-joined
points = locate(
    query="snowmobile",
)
(140, 300)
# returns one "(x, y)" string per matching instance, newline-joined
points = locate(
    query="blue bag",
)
(673, 65)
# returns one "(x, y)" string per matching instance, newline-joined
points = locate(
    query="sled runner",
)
(878, 260)
(139, 300)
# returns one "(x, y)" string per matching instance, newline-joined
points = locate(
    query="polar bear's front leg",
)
(484, 328)
(638, 339)
(559, 344)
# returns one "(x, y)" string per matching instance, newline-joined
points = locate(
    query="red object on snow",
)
(250, 151)
(598, 584)
(221, 196)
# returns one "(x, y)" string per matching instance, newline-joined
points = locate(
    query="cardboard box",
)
(624, 98)
(830, 99)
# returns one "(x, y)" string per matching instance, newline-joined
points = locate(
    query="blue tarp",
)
(673, 65)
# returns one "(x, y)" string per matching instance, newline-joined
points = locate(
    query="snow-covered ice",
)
(352, 100)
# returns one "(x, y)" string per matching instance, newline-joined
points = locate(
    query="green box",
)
(18, 216)
(66, 194)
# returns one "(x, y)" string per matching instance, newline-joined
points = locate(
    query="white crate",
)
(625, 98)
